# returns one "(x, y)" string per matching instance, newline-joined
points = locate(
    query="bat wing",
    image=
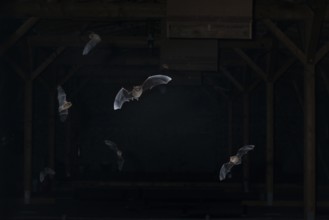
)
(244, 150)
(120, 162)
(63, 115)
(122, 97)
(111, 144)
(91, 44)
(42, 176)
(61, 96)
(155, 80)
(224, 170)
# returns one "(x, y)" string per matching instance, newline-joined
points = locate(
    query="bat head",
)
(234, 159)
(137, 91)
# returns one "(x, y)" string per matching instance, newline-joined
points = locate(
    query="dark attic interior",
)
(164, 109)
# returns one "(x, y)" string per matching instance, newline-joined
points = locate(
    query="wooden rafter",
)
(230, 77)
(251, 63)
(284, 68)
(285, 40)
(18, 34)
(46, 63)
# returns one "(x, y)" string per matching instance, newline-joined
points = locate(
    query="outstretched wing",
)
(91, 44)
(61, 96)
(122, 97)
(224, 170)
(155, 80)
(244, 150)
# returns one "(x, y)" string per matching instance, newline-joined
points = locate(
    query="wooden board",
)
(225, 19)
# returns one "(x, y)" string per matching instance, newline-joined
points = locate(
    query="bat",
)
(45, 172)
(234, 160)
(125, 96)
(118, 152)
(94, 40)
(63, 105)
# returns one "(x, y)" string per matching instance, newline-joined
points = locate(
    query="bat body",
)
(125, 96)
(45, 172)
(94, 40)
(63, 105)
(114, 147)
(234, 160)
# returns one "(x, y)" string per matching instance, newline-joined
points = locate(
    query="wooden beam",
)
(251, 63)
(246, 139)
(230, 77)
(18, 34)
(253, 85)
(285, 40)
(269, 142)
(69, 74)
(16, 68)
(321, 52)
(298, 94)
(81, 40)
(48, 61)
(284, 68)
(309, 143)
(28, 117)
(86, 10)
(315, 30)
(135, 10)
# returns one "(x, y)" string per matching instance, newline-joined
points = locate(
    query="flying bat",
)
(118, 152)
(234, 160)
(125, 96)
(94, 40)
(63, 105)
(45, 172)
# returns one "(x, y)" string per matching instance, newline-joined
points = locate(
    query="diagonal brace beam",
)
(18, 34)
(285, 40)
(251, 63)
(48, 61)
(230, 77)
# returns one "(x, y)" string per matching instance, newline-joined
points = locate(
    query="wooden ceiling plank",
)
(18, 34)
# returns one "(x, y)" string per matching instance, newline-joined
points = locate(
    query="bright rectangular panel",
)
(224, 19)
(195, 55)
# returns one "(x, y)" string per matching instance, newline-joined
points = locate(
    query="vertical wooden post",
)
(28, 139)
(269, 140)
(246, 132)
(230, 127)
(309, 142)
(68, 147)
(51, 128)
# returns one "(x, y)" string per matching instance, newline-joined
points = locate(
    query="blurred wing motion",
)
(224, 170)
(155, 80)
(46, 171)
(94, 40)
(125, 95)
(120, 162)
(234, 160)
(244, 150)
(63, 105)
(111, 144)
(122, 96)
(114, 147)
